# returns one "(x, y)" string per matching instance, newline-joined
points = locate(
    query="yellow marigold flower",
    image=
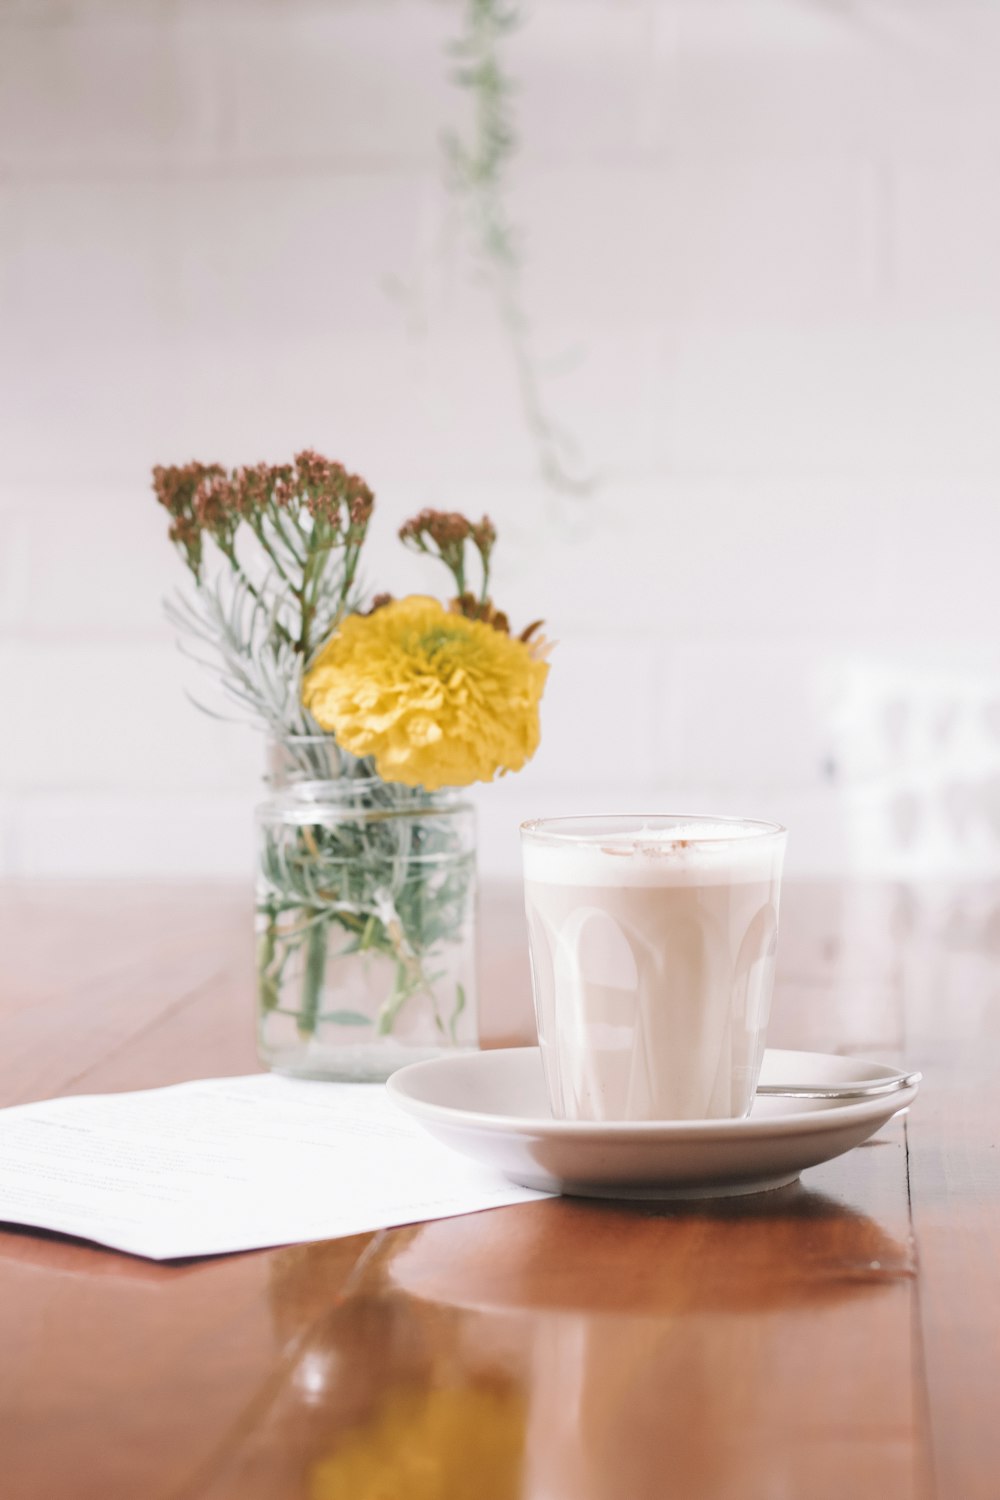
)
(437, 699)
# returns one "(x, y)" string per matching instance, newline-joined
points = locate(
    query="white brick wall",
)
(763, 275)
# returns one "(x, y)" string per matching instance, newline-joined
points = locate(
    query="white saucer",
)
(493, 1106)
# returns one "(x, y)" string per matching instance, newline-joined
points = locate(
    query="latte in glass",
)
(652, 954)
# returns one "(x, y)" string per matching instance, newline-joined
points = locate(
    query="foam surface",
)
(696, 853)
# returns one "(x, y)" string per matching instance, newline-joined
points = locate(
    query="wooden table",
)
(841, 1339)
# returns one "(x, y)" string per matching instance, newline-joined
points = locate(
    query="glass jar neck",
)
(314, 769)
(296, 758)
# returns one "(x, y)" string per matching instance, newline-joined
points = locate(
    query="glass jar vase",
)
(366, 898)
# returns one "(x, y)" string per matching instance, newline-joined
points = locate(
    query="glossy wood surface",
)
(836, 1339)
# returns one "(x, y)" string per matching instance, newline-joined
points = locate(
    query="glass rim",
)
(587, 829)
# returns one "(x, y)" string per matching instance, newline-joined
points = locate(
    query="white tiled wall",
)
(762, 244)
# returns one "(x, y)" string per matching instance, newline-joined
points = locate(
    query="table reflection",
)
(476, 1347)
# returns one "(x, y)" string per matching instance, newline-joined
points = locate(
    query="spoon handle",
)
(840, 1091)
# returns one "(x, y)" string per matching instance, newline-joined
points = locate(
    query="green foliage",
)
(236, 634)
(478, 165)
(273, 551)
(386, 876)
(383, 871)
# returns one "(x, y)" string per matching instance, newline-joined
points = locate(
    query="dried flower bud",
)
(175, 486)
(411, 531)
(326, 508)
(214, 507)
(252, 487)
(484, 535)
(378, 602)
(480, 609)
(444, 528)
(314, 472)
(360, 504)
(279, 481)
(178, 488)
(537, 644)
(185, 533)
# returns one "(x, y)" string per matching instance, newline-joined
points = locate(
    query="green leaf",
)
(346, 1018)
(268, 993)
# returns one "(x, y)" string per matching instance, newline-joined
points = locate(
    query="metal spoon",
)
(871, 1090)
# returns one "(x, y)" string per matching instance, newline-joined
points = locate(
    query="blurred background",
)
(712, 331)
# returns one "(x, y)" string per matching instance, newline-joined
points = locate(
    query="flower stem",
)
(312, 978)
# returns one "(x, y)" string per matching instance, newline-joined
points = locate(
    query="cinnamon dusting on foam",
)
(712, 852)
(650, 851)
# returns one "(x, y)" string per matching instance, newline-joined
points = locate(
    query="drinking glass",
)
(652, 943)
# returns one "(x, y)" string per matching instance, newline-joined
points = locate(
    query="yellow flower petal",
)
(437, 699)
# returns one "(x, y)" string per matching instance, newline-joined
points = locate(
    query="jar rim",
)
(334, 799)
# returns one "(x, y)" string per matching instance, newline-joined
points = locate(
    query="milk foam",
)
(701, 852)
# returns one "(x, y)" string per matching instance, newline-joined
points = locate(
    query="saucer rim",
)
(825, 1115)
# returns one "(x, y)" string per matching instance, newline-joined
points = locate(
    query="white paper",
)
(232, 1164)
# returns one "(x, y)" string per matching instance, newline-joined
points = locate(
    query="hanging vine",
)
(479, 172)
